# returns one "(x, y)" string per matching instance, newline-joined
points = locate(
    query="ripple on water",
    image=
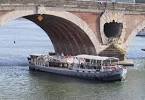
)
(17, 82)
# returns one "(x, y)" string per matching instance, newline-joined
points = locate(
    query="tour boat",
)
(82, 66)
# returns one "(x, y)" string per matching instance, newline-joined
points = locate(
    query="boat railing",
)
(86, 67)
(58, 61)
(111, 68)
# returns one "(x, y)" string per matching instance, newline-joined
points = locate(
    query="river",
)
(18, 83)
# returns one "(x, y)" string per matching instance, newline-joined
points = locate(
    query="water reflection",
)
(18, 82)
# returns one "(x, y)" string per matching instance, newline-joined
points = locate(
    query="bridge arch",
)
(68, 33)
(134, 32)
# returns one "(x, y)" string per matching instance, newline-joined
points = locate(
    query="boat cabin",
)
(74, 62)
(96, 62)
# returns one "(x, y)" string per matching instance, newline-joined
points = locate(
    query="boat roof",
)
(36, 54)
(95, 57)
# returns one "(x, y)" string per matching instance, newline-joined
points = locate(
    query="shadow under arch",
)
(66, 37)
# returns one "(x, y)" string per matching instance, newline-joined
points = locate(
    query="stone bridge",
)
(78, 27)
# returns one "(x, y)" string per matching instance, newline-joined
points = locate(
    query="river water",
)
(18, 83)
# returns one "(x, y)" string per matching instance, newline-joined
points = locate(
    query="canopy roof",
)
(95, 57)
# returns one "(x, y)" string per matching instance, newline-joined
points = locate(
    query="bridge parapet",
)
(92, 5)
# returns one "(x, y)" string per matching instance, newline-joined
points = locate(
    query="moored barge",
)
(82, 66)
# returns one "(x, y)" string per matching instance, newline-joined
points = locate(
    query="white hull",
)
(93, 75)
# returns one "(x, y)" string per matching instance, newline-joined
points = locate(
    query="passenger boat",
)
(82, 66)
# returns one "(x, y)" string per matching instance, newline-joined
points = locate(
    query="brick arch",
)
(90, 43)
(134, 32)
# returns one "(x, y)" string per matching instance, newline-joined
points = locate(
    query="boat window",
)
(87, 60)
(106, 62)
(98, 62)
(114, 61)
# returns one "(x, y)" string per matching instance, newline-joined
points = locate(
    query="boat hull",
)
(116, 75)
